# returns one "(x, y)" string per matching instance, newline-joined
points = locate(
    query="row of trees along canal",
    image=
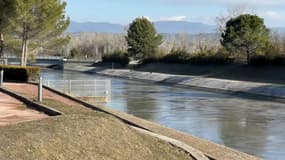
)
(245, 35)
(33, 24)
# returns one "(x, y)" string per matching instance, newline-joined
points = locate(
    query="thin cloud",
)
(273, 18)
(271, 3)
(174, 18)
(273, 15)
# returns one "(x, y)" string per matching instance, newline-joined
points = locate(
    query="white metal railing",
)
(83, 88)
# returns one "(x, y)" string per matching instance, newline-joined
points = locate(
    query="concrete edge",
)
(242, 94)
(32, 105)
(196, 154)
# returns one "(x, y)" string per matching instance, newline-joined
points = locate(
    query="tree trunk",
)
(23, 52)
(1, 45)
(26, 52)
(24, 47)
(248, 57)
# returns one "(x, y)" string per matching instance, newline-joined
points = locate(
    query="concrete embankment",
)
(271, 91)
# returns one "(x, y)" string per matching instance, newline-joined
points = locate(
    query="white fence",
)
(83, 88)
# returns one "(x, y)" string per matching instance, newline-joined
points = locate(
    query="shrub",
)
(32, 58)
(278, 60)
(20, 74)
(156, 58)
(176, 56)
(74, 52)
(259, 60)
(211, 57)
(117, 57)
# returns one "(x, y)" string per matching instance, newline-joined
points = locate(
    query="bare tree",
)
(96, 44)
(232, 12)
(277, 41)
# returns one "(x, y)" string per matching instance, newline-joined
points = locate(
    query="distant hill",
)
(95, 27)
(161, 26)
(279, 30)
(167, 27)
(183, 26)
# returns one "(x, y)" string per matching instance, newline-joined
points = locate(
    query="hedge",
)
(117, 57)
(20, 74)
(260, 60)
(183, 57)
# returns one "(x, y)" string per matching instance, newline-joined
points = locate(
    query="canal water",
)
(252, 126)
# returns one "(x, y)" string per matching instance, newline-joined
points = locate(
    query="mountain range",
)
(167, 27)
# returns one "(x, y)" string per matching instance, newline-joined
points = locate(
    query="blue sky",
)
(124, 11)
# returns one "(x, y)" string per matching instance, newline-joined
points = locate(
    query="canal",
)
(252, 126)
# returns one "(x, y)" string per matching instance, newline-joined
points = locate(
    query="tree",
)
(74, 52)
(142, 38)
(39, 21)
(246, 34)
(7, 9)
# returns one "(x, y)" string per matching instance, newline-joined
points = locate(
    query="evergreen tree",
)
(7, 9)
(39, 21)
(142, 38)
(246, 34)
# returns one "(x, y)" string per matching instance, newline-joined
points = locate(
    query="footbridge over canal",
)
(49, 62)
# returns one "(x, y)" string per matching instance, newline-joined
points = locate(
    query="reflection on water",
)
(251, 126)
(139, 103)
(247, 123)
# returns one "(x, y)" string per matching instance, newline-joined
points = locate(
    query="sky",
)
(205, 11)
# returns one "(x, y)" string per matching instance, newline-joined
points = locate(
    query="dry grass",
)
(81, 134)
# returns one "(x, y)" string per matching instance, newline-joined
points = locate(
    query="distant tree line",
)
(94, 45)
(243, 38)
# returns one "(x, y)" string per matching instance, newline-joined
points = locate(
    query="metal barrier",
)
(99, 89)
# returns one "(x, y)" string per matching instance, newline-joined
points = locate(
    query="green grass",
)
(81, 134)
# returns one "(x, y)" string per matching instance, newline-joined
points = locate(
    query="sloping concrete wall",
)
(262, 89)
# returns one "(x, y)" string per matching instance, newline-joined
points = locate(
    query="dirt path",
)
(13, 111)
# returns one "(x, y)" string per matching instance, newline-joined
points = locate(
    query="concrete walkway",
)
(13, 111)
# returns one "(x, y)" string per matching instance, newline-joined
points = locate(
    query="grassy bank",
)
(80, 134)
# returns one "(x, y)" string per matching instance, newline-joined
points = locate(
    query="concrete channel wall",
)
(265, 90)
